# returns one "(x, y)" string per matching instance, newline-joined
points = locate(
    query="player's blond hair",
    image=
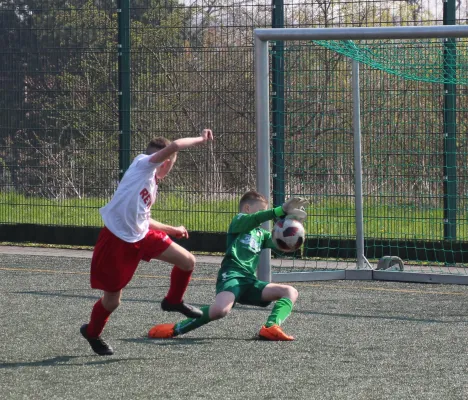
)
(157, 144)
(252, 197)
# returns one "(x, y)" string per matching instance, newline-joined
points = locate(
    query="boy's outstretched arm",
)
(181, 144)
(244, 223)
(293, 207)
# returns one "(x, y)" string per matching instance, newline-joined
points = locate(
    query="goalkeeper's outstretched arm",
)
(244, 223)
(292, 208)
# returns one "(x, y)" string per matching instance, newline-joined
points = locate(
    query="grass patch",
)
(336, 218)
(330, 217)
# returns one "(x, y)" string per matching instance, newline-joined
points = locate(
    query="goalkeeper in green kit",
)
(237, 281)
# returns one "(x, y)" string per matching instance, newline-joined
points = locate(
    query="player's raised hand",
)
(207, 135)
(295, 208)
(297, 213)
(294, 202)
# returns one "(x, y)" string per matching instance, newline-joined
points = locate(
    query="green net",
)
(425, 60)
(414, 119)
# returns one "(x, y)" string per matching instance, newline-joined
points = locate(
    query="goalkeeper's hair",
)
(252, 197)
(157, 144)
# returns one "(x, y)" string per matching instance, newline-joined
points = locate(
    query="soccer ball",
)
(288, 235)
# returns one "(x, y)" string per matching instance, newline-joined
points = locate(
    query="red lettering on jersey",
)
(146, 197)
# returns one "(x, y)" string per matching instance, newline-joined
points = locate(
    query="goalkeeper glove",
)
(295, 208)
(297, 213)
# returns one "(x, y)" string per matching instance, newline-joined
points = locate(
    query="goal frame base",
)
(369, 275)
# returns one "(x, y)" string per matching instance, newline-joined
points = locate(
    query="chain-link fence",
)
(191, 67)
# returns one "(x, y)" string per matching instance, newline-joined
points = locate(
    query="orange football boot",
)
(162, 331)
(274, 332)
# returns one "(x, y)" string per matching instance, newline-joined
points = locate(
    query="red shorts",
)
(115, 261)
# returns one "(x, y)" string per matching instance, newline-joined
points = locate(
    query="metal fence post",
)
(277, 105)
(358, 166)
(262, 127)
(450, 128)
(123, 11)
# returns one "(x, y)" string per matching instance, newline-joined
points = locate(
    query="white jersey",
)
(127, 214)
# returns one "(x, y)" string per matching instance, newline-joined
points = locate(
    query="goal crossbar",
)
(361, 33)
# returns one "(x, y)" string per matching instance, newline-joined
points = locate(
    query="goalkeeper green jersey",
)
(245, 241)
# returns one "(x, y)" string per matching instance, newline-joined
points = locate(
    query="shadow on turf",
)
(357, 316)
(184, 341)
(92, 297)
(384, 317)
(63, 361)
(240, 307)
(56, 293)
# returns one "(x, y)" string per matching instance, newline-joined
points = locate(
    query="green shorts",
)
(246, 290)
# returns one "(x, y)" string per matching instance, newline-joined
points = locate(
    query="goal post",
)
(363, 269)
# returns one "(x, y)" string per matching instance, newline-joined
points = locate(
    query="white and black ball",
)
(288, 234)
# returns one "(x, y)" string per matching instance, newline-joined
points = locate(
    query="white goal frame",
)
(262, 36)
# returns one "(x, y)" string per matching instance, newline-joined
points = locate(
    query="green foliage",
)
(72, 129)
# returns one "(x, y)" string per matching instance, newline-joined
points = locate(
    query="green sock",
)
(280, 312)
(190, 324)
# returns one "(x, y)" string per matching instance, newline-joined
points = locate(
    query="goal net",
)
(369, 124)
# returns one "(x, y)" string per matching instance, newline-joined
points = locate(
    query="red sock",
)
(99, 318)
(179, 282)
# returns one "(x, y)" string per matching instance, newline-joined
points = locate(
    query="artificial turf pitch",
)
(354, 340)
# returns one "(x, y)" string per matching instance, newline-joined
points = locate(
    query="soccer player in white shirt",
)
(130, 235)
